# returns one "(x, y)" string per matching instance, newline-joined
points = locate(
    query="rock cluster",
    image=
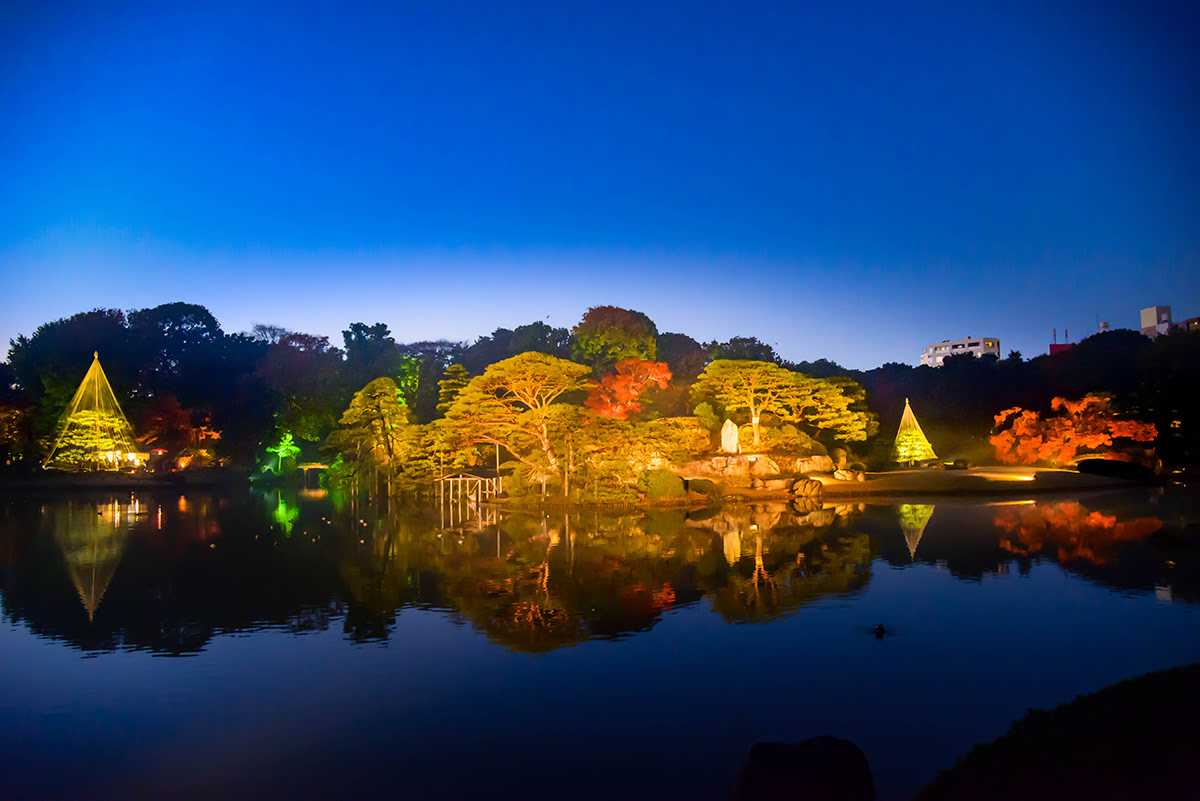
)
(814, 464)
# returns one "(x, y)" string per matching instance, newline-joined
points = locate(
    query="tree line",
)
(560, 406)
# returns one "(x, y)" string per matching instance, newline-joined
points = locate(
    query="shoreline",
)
(890, 486)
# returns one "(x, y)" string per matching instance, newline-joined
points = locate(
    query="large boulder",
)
(814, 464)
(808, 488)
(703, 486)
(763, 467)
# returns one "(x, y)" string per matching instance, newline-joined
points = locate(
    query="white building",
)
(1156, 320)
(938, 352)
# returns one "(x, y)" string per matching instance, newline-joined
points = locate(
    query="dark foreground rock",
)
(820, 769)
(1135, 739)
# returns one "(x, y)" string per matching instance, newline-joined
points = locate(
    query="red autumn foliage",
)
(618, 394)
(1070, 530)
(1025, 437)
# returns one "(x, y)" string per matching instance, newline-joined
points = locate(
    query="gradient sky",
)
(850, 180)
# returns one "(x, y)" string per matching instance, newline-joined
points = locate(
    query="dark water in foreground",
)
(333, 653)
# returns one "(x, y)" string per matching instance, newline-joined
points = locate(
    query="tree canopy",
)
(608, 334)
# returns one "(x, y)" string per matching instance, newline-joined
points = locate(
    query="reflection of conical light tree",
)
(284, 515)
(91, 543)
(911, 444)
(93, 433)
(913, 519)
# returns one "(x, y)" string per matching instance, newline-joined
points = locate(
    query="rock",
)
(820, 518)
(859, 475)
(703, 486)
(839, 457)
(808, 488)
(1130, 471)
(764, 466)
(814, 464)
(821, 768)
(777, 484)
(843, 475)
(802, 506)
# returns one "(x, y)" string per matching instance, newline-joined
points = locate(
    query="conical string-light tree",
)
(914, 517)
(93, 433)
(911, 444)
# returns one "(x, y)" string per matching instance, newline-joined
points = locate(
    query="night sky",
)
(847, 180)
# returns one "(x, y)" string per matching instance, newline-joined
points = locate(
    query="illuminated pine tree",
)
(93, 433)
(911, 444)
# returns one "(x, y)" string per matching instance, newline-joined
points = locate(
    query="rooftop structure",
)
(1156, 320)
(937, 353)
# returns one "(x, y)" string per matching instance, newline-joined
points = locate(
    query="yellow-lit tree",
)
(758, 387)
(516, 404)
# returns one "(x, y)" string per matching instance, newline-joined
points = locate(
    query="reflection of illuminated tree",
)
(793, 567)
(1069, 530)
(913, 519)
(284, 515)
(92, 539)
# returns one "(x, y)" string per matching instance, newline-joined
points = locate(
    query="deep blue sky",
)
(850, 180)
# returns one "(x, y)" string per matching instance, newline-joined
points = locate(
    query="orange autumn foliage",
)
(618, 394)
(1025, 437)
(1069, 530)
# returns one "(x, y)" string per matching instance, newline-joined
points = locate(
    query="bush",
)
(708, 416)
(662, 485)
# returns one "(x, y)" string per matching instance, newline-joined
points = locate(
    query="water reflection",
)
(1069, 531)
(169, 573)
(92, 537)
(914, 517)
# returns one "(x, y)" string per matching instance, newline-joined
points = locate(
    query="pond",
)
(298, 645)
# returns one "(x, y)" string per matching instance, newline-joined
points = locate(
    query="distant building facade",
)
(937, 353)
(1156, 320)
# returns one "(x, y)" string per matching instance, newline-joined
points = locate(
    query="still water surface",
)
(316, 650)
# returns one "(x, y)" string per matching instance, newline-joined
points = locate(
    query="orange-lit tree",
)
(618, 394)
(1025, 437)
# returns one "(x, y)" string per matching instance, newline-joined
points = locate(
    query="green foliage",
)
(662, 485)
(755, 386)
(408, 380)
(90, 440)
(790, 440)
(374, 436)
(836, 405)
(516, 404)
(285, 448)
(743, 349)
(911, 446)
(454, 380)
(707, 416)
(608, 334)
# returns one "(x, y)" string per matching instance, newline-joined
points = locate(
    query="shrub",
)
(662, 485)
